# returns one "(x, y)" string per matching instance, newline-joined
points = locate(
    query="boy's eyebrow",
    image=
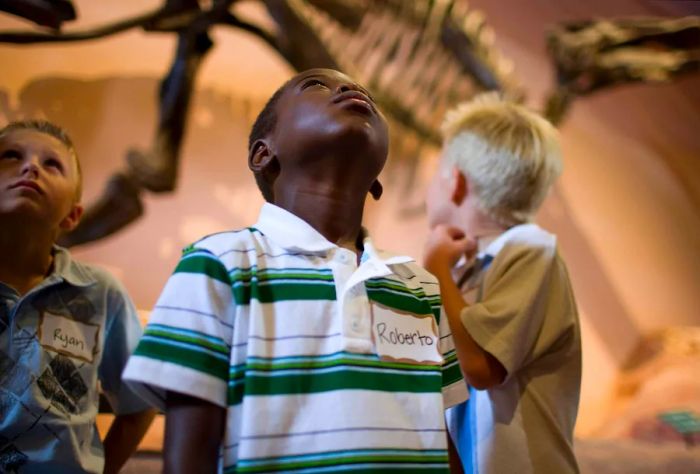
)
(322, 76)
(303, 78)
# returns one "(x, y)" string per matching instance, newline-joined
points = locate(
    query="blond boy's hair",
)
(510, 154)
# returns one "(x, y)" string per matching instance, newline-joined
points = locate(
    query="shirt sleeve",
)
(454, 387)
(186, 345)
(526, 306)
(121, 336)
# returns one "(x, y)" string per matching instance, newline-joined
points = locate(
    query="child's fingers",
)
(465, 245)
(445, 246)
(455, 233)
(471, 246)
(454, 241)
(460, 239)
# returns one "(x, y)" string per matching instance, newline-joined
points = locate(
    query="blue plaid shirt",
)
(59, 343)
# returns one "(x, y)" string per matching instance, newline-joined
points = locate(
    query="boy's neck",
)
(27, 255)
(338, 218)
(475, 223)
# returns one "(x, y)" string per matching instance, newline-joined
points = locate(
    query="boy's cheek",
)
(433, 204)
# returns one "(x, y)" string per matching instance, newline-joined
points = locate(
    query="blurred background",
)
(626, 209)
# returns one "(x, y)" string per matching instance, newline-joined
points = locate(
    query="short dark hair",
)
(51, 129)
(264, 124)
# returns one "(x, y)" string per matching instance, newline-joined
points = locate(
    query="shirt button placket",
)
(344, 272)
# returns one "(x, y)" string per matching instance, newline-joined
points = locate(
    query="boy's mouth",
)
(355, 99)
(28, 184)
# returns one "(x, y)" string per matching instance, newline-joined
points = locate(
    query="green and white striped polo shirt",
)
(273, 323)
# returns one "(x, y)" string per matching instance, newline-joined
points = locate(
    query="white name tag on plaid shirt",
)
(68, 337)
(405, 337)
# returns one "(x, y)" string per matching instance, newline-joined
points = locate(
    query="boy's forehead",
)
(328, 74)
(29, 135)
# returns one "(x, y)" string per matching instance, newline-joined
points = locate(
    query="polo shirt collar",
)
(372, 253)
(295, 234)
(65, 268)
(491, 244)
(486, 245)
(291, 232)
(528, 232)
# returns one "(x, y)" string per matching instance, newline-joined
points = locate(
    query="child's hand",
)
(445, 246)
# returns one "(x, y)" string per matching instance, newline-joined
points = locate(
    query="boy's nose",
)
(30, 166)
(347, 86)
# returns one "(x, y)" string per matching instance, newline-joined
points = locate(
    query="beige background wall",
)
(627, 208)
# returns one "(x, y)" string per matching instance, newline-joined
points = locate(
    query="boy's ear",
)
(459, 187)
(71, 221)
(264, 164)
(376, 190)
(260, 156)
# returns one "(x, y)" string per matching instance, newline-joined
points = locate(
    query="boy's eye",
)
(312, 83)
(54, 163)
(10, 155)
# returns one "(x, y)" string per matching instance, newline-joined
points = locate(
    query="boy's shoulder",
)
(524, 240)
(90, 282)
(528, 250)
(230, 241)
(422, 276)
(83, 274)
(406, 270)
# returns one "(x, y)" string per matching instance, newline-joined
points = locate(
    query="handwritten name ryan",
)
(66, 340)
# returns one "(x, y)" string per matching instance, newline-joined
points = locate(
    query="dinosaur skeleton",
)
(592, 55)
(417, 57)
(48, 13)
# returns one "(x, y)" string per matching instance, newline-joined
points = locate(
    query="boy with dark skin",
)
(40, 187)
(319, 167)
(311, 167)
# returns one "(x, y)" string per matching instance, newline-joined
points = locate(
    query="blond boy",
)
(505, 290)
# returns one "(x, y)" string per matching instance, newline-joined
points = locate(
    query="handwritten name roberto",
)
(394, 336)
(68, 341)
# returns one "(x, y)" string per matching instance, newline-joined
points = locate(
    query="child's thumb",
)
(469, 246)
(455, 233)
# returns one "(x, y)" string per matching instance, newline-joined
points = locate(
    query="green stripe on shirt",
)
(187, 336)
(366, 468)
(400, 302)
(273, 292)
(314, 381)
(201, 361)
(282, 284)
(204, 263)
(405, 457)
(325, 361)
(451, 372)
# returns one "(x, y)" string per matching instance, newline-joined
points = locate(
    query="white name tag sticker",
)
(68, 337)
(405, 337)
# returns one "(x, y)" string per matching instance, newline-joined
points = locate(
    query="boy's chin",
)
(359, 134)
